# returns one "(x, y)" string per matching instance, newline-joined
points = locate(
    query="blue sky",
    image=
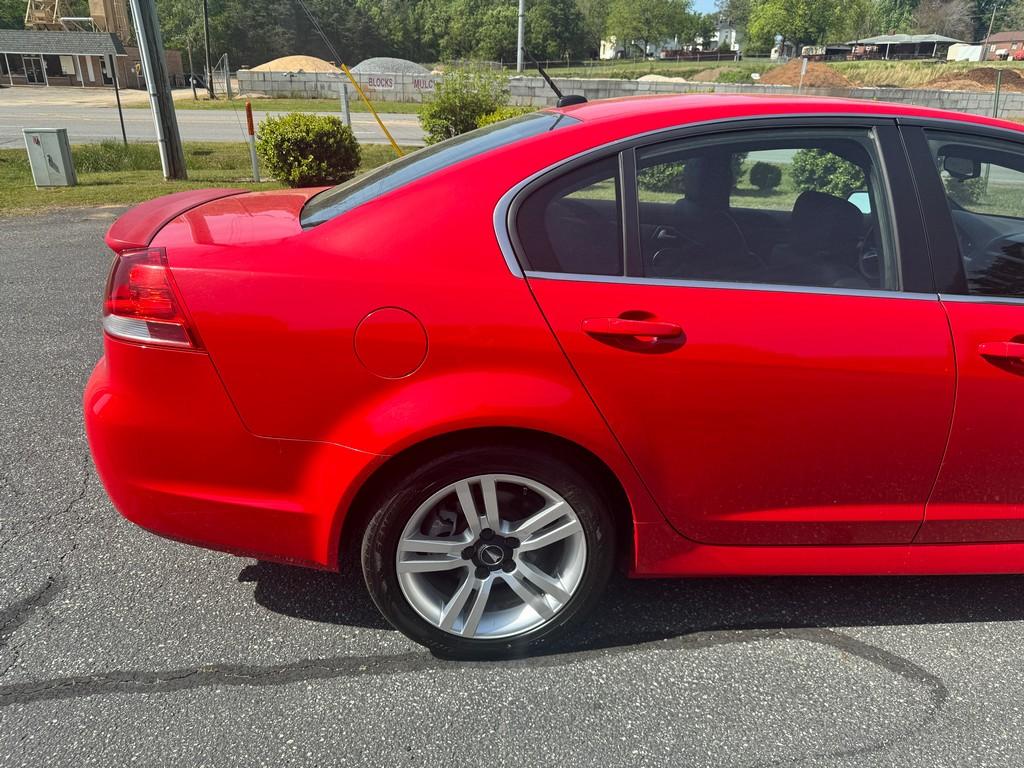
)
(704, 6)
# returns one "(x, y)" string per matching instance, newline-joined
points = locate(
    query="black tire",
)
(381, 538)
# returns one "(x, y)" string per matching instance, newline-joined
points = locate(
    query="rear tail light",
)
(142, 303)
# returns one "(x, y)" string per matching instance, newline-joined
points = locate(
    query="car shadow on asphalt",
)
(641, 611)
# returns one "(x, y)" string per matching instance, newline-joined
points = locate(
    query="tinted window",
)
(574, 224)
(790, 207)
(984, 182)
(344, 197)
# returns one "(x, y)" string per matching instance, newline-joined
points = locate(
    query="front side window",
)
(801, 207)
(984, 183)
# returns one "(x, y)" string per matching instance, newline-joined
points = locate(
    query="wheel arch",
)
(365, 501)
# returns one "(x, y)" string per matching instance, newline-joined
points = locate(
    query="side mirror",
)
(961, 168)
(862, 200)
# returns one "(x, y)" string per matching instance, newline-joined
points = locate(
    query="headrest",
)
(825, 218)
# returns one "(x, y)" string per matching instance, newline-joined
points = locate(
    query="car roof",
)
(663, 111)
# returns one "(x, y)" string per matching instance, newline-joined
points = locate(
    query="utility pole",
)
(151, 51)
(206, 37)
(991, 23)
(522, 35)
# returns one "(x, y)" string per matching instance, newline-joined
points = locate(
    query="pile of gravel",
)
(388, 65)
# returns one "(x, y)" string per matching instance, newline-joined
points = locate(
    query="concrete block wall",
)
(533, 91)
(325, 85)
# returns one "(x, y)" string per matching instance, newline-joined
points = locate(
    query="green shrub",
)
(666, 177)
(765, 176)
(304, 150)
(821, 171)
(503, 113)
(460, 100)
(966, 192)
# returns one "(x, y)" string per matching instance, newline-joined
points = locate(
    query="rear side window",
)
(984, 183)
(344, 197)
(574, 224)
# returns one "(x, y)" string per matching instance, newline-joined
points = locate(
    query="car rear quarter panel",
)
(279, 320)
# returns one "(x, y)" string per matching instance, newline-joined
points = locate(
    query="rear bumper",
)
(176, 459)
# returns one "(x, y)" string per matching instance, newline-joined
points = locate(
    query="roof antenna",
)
(563, 101)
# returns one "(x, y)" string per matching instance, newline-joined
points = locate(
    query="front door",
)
(792, 392)
(33, 70)
(979, 495)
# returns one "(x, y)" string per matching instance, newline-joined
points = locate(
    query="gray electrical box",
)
(49, 153)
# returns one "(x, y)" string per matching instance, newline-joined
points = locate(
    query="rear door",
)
(798, 394)
(972, 184)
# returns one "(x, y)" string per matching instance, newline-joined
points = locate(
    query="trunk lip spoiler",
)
(139, 225)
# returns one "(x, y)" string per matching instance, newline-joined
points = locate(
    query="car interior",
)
(985, 189)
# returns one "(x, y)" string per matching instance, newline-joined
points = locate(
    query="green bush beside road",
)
(305, 150)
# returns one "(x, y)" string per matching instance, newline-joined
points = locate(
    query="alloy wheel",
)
(491, 556)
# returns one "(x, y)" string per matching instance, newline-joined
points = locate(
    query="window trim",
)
(888, 148)
(947, 262)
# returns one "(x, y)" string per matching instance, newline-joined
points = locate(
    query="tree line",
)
(834, 21)
(255, 31)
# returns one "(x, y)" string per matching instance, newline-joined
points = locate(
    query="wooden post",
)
(10, 75)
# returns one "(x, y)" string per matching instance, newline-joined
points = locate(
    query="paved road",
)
(120, 648)
(93, 123)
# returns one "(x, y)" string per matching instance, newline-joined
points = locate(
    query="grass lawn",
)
(355, 104)
(112, 174)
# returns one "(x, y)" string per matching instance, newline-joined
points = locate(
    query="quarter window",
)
(574, 224)
(790, 207)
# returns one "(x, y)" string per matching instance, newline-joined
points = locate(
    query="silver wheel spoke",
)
(438, 546)
(431, 565)
(548, 538)
(454, 607)
(538, 520)
(468, 507)
(447, 570)
(490, 492)
(476, 611)
(532, 599)
(543, 582)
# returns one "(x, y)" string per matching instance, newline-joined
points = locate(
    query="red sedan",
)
(685, 335)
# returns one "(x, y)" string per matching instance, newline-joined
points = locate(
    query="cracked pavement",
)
(120, 648)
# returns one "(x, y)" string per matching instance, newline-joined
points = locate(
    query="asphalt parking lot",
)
(120, 648)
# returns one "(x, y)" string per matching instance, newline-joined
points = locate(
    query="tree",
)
(12, 14)
(595, 24)
(944, 17)
(554, 29)
(891, 16)
(642, 22)
(497, 35)
(804, 21)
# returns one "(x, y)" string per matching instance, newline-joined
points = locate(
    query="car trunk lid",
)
(138, 226)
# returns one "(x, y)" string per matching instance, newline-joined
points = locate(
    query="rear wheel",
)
(489, 553)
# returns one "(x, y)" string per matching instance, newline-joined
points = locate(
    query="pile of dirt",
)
(297, 64)
(978, 79)
(818, 75)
